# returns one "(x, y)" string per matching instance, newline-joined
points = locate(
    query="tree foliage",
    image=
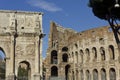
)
(108, 10)
(105, 9)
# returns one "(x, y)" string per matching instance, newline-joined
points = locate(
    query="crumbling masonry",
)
(88, 55)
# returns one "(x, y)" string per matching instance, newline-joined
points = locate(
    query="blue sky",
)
(73, 14)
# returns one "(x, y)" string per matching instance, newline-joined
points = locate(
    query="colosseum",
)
(88, 55)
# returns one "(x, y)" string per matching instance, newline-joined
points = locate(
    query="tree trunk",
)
(116, 35)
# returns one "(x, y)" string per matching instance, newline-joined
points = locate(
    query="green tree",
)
(108, 10)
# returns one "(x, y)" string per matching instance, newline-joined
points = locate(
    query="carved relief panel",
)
(19, 50)
(30, 50)
(25, 50)
(25, 23)
(25, 46)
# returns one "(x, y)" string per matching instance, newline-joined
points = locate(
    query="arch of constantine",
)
(87, 55)
(21, 42)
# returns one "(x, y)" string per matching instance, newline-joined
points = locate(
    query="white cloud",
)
(48, 6)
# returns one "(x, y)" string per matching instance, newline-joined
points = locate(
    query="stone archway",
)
(24, 71)
(95, 74)
(65, 57)
(54, 57)
(111, 52)
(2, 64)
(103, 74)
(67, 68)
(112, 74)
(88, 75)
(54, 71)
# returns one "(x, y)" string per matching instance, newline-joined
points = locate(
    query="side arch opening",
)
(2, 64)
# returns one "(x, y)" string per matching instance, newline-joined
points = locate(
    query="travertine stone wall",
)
(91, 54)
(94, 50)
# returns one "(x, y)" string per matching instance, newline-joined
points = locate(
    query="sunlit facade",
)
(89, 55)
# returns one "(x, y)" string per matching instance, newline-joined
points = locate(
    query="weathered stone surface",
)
(91, 54)
(18, 40)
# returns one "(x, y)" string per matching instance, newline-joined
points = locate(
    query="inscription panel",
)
(25, 23)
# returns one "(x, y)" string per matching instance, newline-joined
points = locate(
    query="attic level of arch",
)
(16, 34)
(12, 23)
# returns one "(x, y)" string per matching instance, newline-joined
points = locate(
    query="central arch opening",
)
(2, 64)
(24, 71)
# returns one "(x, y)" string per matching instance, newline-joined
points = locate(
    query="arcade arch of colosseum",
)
(21, 41)
(91, 54)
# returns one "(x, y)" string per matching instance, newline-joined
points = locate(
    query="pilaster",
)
(11, 75)
(107, 74)
(37, 75)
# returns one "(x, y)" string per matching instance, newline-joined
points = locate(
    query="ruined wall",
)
(58, 41)
(92, 54)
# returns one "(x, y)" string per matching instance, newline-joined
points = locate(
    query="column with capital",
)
(13, 33)
(11, 75)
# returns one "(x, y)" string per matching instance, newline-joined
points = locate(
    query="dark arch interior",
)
(95, 74)
(54, 57)
(112, 74)
(103, 74)
(88, 75)
(67, 67)
(111, 51)
(54, 71)
(64, 49)
(102, 51)
(65, 57)
(94, 52)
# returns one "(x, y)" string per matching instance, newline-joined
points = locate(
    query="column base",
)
(37, 77)
(11, 77)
